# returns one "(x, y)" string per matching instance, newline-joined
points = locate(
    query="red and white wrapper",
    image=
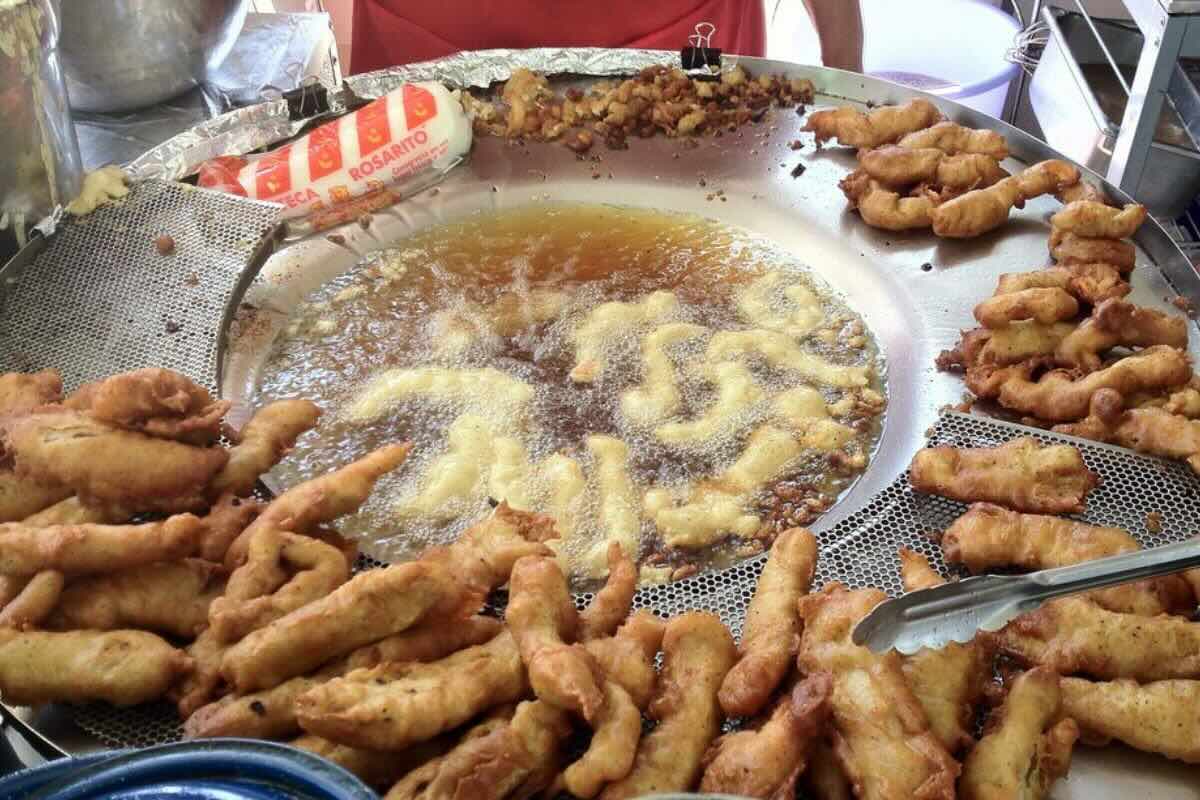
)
(363, 161)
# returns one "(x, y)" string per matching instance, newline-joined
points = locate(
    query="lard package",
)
(399, 144)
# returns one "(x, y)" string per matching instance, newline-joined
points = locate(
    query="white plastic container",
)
(952, 48)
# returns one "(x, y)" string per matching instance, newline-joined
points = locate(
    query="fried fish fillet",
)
(825, 779)
(1022, 474)
(982, 210)
(1088, 283)
(265, 439)
(159, 402)
(610, 754)
(484, 555)
(271, 713)
(1060, 397)
(320, 500)
(1025, 750)
(1045, 306)
(224, 522)
(627, 659)
(72, 512)
(365, 609)
(772, 629)
(109, 466)
(283, 572)
(379, 769)
(697, 653)
(92, 548)
(394, 705)
(171, 597)
(517, 760)
(1013, 344)
(541, 615)
(35, 600)
(880, 207)
(1094, 219)
(610, 606)
(22, 496)
(883, 740)
(883, 125)
(892, 165)
(25, 391)
(947, 682)
(1071, 248)
(1160, 717)
(988, 536)
(124, 668)
(1075, 636)
(1117, 323)
(767, 762)
(1148, 429)
(952, 138)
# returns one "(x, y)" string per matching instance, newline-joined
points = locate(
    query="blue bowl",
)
(219, 769)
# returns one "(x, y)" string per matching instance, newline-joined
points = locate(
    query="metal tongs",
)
(955, 612)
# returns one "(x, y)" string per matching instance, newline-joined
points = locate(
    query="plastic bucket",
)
(956, 49)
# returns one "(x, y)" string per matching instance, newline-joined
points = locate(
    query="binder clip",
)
(700, 58)
(307, 100)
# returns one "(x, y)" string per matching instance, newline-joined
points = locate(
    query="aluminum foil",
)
(248, 129)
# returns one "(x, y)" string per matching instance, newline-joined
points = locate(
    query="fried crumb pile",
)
(658, 100)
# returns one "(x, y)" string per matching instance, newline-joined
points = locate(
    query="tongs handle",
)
(1110, 571)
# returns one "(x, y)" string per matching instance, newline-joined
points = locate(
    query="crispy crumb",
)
(192, 279)
(798, 170)
(173, 326)
(336, 238)
(165, 245)
(685, 571)
(1154, 521)
(1185, 305)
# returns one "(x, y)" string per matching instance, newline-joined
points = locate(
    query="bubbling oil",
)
(467, 340)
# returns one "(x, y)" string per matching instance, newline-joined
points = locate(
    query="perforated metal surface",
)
(100, 298)
(859, 551)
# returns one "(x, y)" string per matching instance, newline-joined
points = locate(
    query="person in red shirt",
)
(391, 32)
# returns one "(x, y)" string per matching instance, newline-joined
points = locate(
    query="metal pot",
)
(119, 55)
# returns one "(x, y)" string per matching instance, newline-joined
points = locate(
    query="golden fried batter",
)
(882, 208)
(967, 171)
(767, 762)
(1070, 248)
(982, 210)
(1059, 397)
(541, 615)
(882, 740)
(171, 597)
(365, 609)
(25, 391)
(378, 769)
(896, 166)
(106, 465)
(1160, 717)
(1147, 430)
(1075, 636)
(90, 548)
(947, 682)
(1010, 345)
(34, 602)
(1024, 751)
(124, 668)
(1045, 306)
(223, 523)
(159, 402)
(989, 536)
(1082, 191)
(1117, 323)
(1098, 220)
(265, 439)
(72, 512)
(484, 555)
(22, 496)
(627, 659)
(825, 779)
(283, 572)
(952, 138)
(322, 499)
(394, 705)
(1022, 474)
(772, 630)
(610, 755)
(418, 780)
(518, 760)
(1088, 283)
(697, 653)
(883, 125)
(271, 713)
(610, 606)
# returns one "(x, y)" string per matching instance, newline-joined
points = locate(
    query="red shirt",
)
(390, 32)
